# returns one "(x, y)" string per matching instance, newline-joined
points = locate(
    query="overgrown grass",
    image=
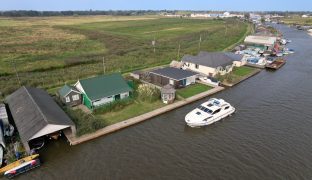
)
(298, 20)
(192, 90)
(49, 52)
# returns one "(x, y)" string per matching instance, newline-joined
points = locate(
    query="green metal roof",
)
(65, 90)
(104, 86)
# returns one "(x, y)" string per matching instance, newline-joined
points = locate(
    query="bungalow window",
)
(196, 66)
(171, 82)
(67, 99)
(75, 97)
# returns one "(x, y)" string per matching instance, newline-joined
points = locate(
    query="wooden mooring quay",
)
(132, 121)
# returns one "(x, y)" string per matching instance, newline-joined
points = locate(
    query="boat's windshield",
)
(205, 109)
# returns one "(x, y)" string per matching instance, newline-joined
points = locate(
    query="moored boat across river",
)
(278, 63)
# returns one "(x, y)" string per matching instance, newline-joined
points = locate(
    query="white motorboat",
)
(209, 112)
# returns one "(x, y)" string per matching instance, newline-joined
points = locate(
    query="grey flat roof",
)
(173, 73)
(33, 109)
(213, 59)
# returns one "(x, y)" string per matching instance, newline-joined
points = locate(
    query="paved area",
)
(115, 127)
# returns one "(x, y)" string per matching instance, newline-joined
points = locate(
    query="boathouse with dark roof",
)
(36, 115)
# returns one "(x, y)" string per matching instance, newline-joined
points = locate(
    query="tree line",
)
(31, 13)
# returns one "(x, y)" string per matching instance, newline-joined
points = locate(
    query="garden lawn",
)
(135, 109)
(243, 70)
(193, 90)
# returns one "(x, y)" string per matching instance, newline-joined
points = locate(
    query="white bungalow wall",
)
(190, 80)
(109, 99)
(103, 101)
(208, 71)
(124, 95)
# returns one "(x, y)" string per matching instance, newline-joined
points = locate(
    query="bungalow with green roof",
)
(69, 95)
(100, 90)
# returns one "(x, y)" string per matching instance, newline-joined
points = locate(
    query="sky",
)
(221, 5)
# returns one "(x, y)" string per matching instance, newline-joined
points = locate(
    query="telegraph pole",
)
(103, 65)
(200, 39)
(179, 51)
(154, 43)
(17, 76)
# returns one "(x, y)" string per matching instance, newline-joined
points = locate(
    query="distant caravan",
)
(209, 112)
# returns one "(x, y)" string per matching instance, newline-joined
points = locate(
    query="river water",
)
(268, 138)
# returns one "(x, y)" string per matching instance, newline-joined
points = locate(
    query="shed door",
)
(86, 101)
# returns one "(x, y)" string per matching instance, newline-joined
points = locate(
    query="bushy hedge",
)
(85, 123)
(114, 106)
(148, 93)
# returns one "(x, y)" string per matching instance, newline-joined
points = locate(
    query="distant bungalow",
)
(212, 63)
(265, 43)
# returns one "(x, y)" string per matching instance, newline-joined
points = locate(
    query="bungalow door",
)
(183, 82)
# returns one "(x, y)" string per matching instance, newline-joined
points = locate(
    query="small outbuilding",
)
(178, 78)
(69, 96)
(36, 115)
(168, 94)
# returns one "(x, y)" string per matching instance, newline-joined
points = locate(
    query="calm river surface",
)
(268, 138)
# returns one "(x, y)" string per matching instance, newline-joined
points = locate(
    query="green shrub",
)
(148, 93)
(85, 123)
(114, 106)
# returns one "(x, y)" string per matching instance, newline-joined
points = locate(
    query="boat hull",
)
(276, 64)
(211, 121)
(18, 162)
(24, 167)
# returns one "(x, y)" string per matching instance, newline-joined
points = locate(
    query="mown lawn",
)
(237, 75)
(192, 90)
(135, 109)
(242, 71)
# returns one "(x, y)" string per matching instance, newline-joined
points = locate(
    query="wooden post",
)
(17, 76)
(179, 51)
(103, 65)
(200, 39)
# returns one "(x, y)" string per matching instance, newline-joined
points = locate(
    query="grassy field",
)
(298, 20)
(50, 51)
(193, 90)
